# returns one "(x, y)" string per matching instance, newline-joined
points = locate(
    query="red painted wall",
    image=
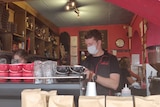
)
(118, 31)
(136, 47)
(153, 34)
(114, 32)
(147, 9)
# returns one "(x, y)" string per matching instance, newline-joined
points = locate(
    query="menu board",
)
(82, 45)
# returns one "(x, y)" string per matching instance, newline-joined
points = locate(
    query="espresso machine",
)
(67, 80)
(153, 70)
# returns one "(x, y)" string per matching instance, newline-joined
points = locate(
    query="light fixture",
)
(76, 11)
(71, 5)
(67, 7)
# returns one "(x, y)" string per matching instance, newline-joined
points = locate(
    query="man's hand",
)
(89, 74)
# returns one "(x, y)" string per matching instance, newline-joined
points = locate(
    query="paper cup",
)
(91, 89)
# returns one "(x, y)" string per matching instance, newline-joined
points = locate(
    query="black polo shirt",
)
(104, 66)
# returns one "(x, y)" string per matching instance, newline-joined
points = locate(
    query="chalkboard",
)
(82, 45)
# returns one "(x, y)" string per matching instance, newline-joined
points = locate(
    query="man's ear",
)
(99, 42)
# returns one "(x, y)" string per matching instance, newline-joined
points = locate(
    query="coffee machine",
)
(153, 70)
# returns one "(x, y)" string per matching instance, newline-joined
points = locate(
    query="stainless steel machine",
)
(69, 81)
(153, 71)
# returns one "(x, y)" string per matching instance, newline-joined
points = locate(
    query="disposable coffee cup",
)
(91, 89)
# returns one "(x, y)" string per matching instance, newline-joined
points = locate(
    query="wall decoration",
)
(64, 48)
(74, 50)
(120, 43)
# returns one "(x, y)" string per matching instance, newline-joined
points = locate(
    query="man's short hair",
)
(96, 34)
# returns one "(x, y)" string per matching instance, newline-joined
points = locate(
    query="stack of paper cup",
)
(91, 89)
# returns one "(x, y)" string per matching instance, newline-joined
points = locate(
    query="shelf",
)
(3, 30)
(54, 77)
(18, 35)
(23, 27)
(40, 38)
(3, 52)
(37, 57)
(30, 29)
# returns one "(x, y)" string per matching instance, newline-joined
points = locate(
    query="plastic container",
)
(15, 67)
(28, 74)
(15, 71)
(27, 71)
(28, 67)
(18, 74)
(126, 91)
(3, 74)
(4, 67)
(38, 71)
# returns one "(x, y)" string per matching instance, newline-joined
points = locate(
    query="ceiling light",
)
(67, 7)
(71, 5)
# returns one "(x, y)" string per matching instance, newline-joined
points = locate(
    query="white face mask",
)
(92, 49)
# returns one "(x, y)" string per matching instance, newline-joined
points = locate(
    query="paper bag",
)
(61, 101)
(149, 101)
(114, 101)
(91, 101)
(33, 98)
(52, 92)
(45, 97)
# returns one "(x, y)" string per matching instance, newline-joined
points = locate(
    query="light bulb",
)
(73, 3)
(67, 7)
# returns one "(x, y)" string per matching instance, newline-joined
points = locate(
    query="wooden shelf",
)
(24, 25)
(3, 30)
(38, 37)
(30, 29)
(2, 52)
(18, 35)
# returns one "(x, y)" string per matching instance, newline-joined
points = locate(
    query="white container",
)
(38, 71)
(126, 91)
(91, 89)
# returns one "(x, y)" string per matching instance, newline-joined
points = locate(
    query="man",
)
(20, 56)
(101, 66)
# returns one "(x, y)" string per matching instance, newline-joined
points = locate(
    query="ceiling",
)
(97, 12)
(92, 12)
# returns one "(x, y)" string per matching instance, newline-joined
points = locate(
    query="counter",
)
(10, 93)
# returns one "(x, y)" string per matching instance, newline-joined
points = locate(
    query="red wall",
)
(118, 31)
(153, 34)
(114, 32)
(136, 47)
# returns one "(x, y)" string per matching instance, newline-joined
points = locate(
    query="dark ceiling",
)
(92, 12)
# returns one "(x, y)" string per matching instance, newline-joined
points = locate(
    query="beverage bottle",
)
(126, 91)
